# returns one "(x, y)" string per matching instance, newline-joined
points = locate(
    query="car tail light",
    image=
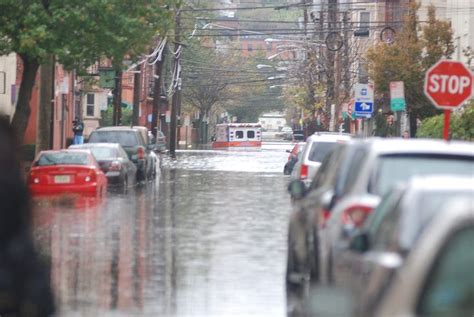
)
(91, 176)
(115, 166)
(304, 171)
(140, 153)
(325, 214)
(33, 179)
(356, 215)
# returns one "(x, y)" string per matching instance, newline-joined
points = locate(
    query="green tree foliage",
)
(107, 117)
(461, 125)
(78, 33)
(414, 51)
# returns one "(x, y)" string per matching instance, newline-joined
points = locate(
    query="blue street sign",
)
(364, 99)
(364, 107)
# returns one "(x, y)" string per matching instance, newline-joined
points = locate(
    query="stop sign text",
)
(448, 84)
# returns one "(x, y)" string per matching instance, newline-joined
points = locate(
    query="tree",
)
(407, 60)
(77, 33)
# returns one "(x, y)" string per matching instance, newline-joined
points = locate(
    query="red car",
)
(66, 172)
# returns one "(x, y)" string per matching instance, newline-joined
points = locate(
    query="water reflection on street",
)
(207, 239)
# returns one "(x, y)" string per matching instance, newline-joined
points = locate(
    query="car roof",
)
(120, 128)
(89, 145)
(428, 146)
(328, 137)
(66, 150)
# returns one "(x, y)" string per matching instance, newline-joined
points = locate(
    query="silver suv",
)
(317, 147)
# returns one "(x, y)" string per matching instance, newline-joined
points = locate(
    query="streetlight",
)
(285, 51)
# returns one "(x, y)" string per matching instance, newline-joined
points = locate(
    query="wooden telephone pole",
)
(177, 85)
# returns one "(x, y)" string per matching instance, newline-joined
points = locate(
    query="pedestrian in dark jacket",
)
(24, 279)
(78, 130)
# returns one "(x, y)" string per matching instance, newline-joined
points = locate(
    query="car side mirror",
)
(288, 151)
(297, 189)
(360, 243)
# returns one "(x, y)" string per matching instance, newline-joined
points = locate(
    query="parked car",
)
(151, 145)
(435, 279)
(133, 142)
(375, 166)
(312, 207)
(317, 147)
(390, 234)
(298, 135)
(114, 162)
(286, 133)
(160, 141)
(295, 153)
(66, 172)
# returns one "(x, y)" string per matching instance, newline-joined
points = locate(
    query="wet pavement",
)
(208, 238)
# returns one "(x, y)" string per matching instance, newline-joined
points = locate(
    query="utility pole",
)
(44, 135)
(117, 93)
(157, 92)
(177, 87)
(136, 95)
(330, 69)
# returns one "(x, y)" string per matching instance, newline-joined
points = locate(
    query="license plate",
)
(62, 179)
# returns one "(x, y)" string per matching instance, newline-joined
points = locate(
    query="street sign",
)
(448, 84)
(397, 96)
(107, 78)
(364, 99)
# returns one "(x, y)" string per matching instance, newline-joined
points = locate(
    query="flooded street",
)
(207, 239)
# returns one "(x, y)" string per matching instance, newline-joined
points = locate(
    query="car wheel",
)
(125, 186)
(296, 268)
(142, 176)
(330, 276)
(313, 256)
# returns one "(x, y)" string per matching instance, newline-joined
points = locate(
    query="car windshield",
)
(103, 153)
(62, 158)
(319, 150)
(400, 168)
(124, 138)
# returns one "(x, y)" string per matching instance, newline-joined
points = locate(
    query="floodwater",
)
(208, 238)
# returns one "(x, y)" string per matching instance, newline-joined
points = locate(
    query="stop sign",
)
(448, 84)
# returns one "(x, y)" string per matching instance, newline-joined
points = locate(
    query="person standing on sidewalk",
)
(78, 129)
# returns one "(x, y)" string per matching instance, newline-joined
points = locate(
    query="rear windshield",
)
(320, 149)
(428, 205)
(103, 153)
(396, 169)
(62, 158)
(124, 138)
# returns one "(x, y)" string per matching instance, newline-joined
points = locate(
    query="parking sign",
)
(364, 100)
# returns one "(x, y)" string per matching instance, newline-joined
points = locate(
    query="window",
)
(124, 138)
(250, 134)
(90, 105)
(450, 284)
(364, 21)
(62, 158)
(239, 134)
(250, 47)
(399, 168)
(319, 150)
